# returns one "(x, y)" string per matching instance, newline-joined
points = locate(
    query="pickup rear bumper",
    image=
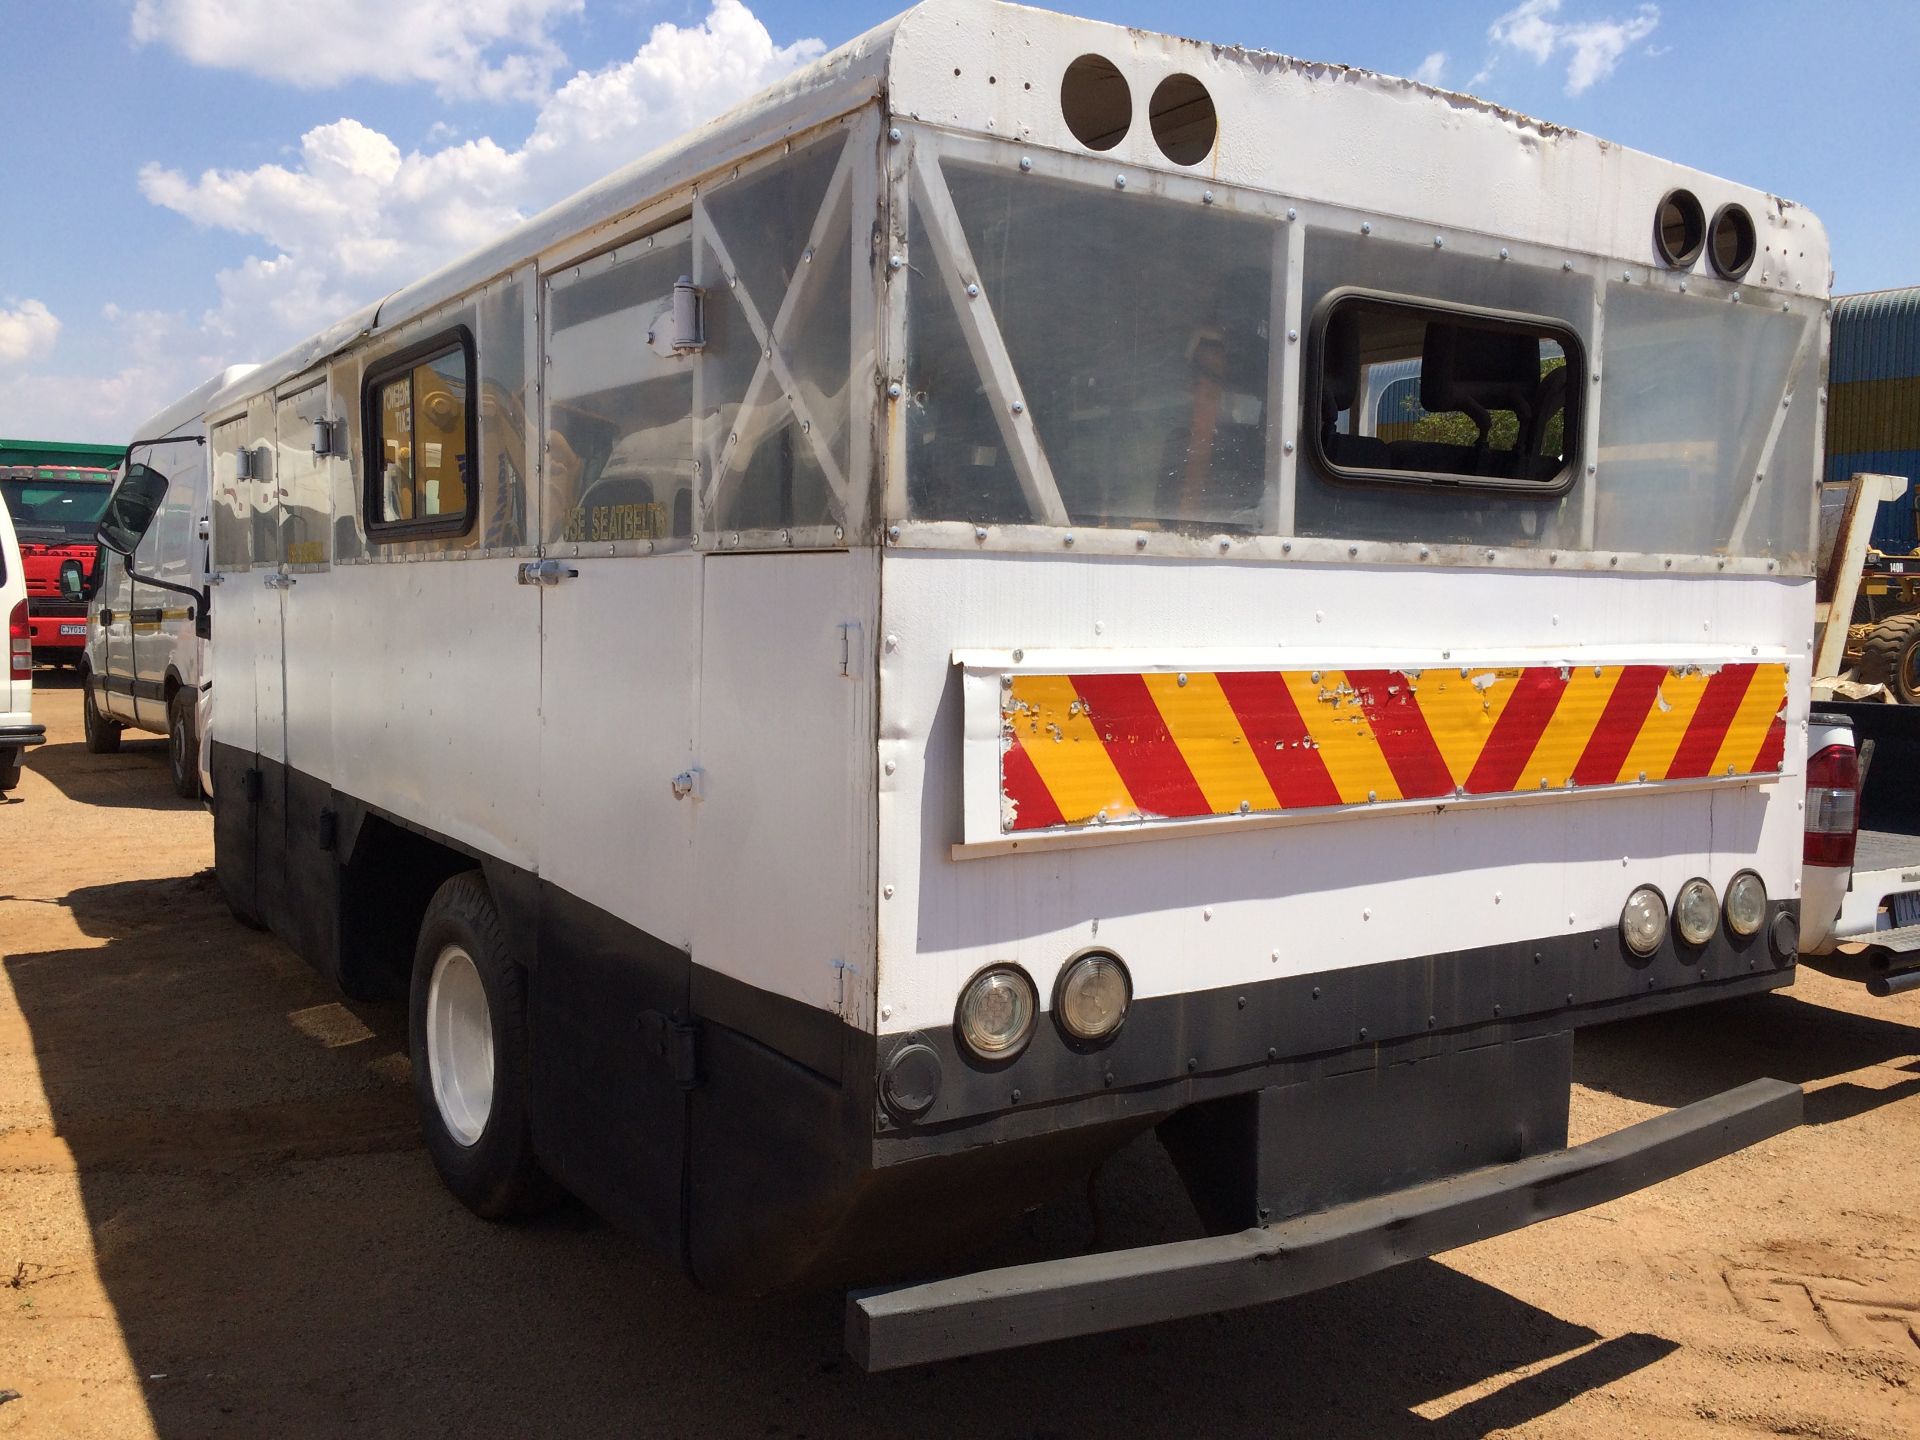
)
(22, 736)
(1091, 1294)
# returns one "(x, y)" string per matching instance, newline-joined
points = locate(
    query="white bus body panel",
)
(1208, 906)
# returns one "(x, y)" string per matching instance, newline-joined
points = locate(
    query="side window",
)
(1410, 392)
(420, 440)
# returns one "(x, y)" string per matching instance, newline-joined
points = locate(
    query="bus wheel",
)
(468, 1039)
(183, 746)
(102, 735)
(1890, 656)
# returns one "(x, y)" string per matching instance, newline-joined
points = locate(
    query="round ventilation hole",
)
(1680, 229)
(1731, 242)
(1184, 122)
(1096, 103)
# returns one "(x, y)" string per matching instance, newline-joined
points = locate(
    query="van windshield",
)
(46, 509)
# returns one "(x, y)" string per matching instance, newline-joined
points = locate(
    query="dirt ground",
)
(216, 1219)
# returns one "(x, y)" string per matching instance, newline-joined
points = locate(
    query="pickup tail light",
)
(1833, 806)
(20, 643)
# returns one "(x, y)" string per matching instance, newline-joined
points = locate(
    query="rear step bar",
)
(1091, 1294)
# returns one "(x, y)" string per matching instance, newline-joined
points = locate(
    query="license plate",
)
(73, 630)
(1905, 909)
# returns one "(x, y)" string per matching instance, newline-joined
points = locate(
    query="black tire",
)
(1890, 655)
(102, 735)
(9, 768)
(496, 1176)
(183, 745)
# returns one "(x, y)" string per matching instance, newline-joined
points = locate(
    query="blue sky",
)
(195, 182)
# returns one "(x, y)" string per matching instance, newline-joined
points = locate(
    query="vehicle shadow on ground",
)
(1687, 1055)
(118, 781)
(277, 1250)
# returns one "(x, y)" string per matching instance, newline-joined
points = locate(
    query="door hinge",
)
(671, 1042)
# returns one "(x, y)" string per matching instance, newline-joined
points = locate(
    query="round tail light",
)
(1746, 904)
(996, 1012)
(1643, 920)
(1092, 996)
(1696, 912)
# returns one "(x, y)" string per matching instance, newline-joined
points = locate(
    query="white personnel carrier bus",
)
(1036, 582)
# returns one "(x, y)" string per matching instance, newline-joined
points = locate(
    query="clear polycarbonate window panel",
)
(1692, 389)
(1138, 331)
(305, 504)
(619, 463)
(504, 426)
(1345, 498)
(1412, 393)
(232, 508)
(776, 393)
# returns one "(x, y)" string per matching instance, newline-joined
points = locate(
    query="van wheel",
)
(102, 735)
(1890, 656)
(9, 768)
(468, 1038)
(183, 746)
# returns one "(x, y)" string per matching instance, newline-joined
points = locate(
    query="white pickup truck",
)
(1860, 892)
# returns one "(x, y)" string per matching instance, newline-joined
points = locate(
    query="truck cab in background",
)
(148, 622)
(54, 508)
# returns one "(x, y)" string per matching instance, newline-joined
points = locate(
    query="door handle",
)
(544, 572)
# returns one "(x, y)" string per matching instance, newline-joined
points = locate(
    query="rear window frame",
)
(1571, 345)
(452, 525)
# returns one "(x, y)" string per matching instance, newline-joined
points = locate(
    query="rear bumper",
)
(45, 631)
(21, 736)
(1091, 1294)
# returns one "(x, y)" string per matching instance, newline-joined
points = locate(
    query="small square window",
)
(420, 441)
(1425, 393)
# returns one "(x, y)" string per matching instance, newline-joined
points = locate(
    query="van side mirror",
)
(136, 500)
(73, 580)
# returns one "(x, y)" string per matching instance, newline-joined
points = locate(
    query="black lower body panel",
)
(740, 1131)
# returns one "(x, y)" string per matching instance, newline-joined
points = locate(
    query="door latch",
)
(544, 572)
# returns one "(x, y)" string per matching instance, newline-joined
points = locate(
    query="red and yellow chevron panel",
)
(1081, 749)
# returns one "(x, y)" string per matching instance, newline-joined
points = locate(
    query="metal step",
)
(1904, 941)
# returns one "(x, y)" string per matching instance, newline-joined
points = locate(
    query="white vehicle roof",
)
(1329, 132)
(192, 406)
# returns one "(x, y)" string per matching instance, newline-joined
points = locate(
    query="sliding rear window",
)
(1417, 393)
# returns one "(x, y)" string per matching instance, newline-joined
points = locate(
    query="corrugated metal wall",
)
(1873, 401)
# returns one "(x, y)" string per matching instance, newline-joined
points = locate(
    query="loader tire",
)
(1890, 656)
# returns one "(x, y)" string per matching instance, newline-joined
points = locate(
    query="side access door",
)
(619, 631)
(237, 598)
(304, 493)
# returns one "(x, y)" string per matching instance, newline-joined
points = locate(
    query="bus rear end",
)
(1338, 637)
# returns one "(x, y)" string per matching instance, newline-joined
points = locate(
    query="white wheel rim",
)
(459, 1045)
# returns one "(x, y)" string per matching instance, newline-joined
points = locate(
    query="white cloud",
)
(490, 48)
(1432, 68)
(1591, 48)
(352, 216)
(165, 354)
(27, 329)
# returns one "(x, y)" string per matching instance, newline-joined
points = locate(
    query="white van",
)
(17, 730)
(148, 624)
